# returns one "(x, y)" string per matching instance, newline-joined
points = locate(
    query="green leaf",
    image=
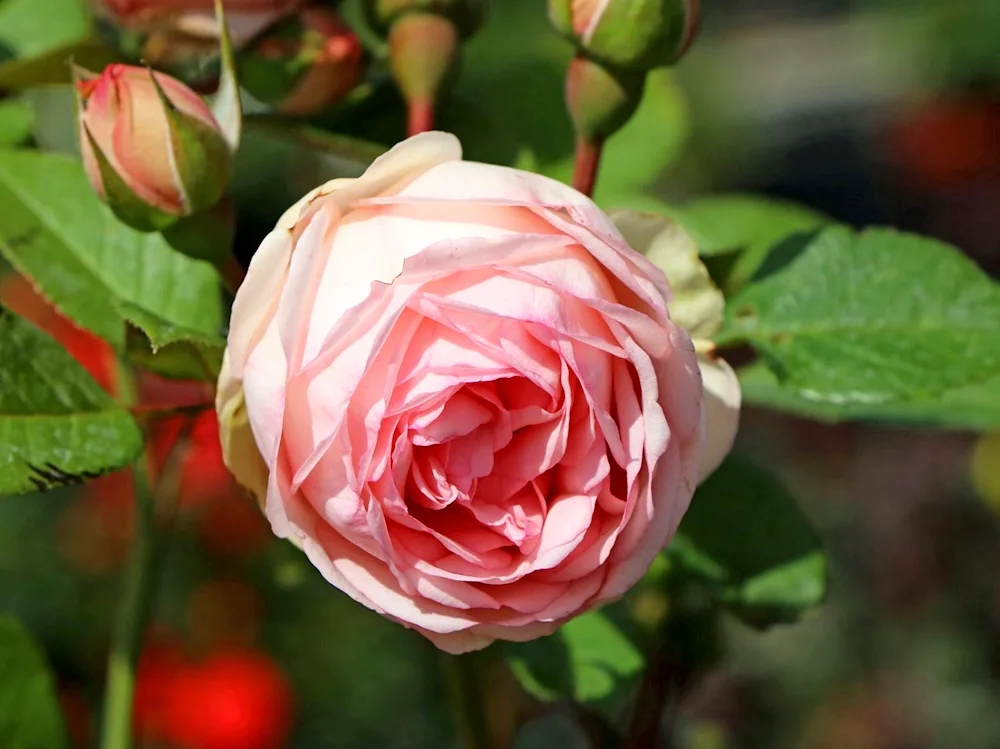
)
(973, 407)
(16, 122)
(747, 540)
(57, 426)
(745, 224)
(588, 660)
(29, 28)
(53, 67)
(849, 318)
(39, 37)
(30, 717)
(55, 120)
(100, 273)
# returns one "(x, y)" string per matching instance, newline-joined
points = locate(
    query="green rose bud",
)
(632, 34)
(424, 47)
(601, 99)
(467, 15)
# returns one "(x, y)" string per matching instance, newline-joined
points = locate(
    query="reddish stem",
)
(588, 160)
(421, 116)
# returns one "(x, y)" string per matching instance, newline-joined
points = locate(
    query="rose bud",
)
(305, 64)
(631, 34)
(486, 427)
(467, 15)
(600, 100)
(151, 146)
(424, 47)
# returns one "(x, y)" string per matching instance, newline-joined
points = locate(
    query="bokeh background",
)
(871, 111)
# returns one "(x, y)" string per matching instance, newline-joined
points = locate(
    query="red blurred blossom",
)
(239, 699)
(204, 476)
(234, 698)
(161, 663)
(235, 528)
(946, 143)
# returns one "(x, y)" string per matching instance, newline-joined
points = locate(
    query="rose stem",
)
(588, 160)
(420, 116)
(685, 648)
(465, 678)
(126, 641)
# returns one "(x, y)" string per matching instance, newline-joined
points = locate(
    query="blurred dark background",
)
(872, 111)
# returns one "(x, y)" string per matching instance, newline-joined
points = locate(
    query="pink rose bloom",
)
(460, 391)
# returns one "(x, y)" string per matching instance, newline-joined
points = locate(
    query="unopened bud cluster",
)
(618, 42)
(628, 34)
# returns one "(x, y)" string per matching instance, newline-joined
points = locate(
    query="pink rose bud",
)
(487, 426)
(631, 34)
(305, 64)
(151, 146)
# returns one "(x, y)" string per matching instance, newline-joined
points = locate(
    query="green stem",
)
(126, 642)
(685, 648)
(134, 608)
(465, 678)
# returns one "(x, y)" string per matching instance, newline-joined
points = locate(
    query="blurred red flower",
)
(239, 699)
(948, 143)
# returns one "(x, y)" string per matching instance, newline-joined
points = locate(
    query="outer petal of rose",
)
(413, 156)
(673, 477)
(257, 299)
(458, 643)
(721, 412)
(239, 450)
(698, 304)
(340, 560)
(488, 183)
(264, 390)
(521, 633)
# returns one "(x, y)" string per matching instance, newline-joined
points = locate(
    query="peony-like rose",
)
(460, 391)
